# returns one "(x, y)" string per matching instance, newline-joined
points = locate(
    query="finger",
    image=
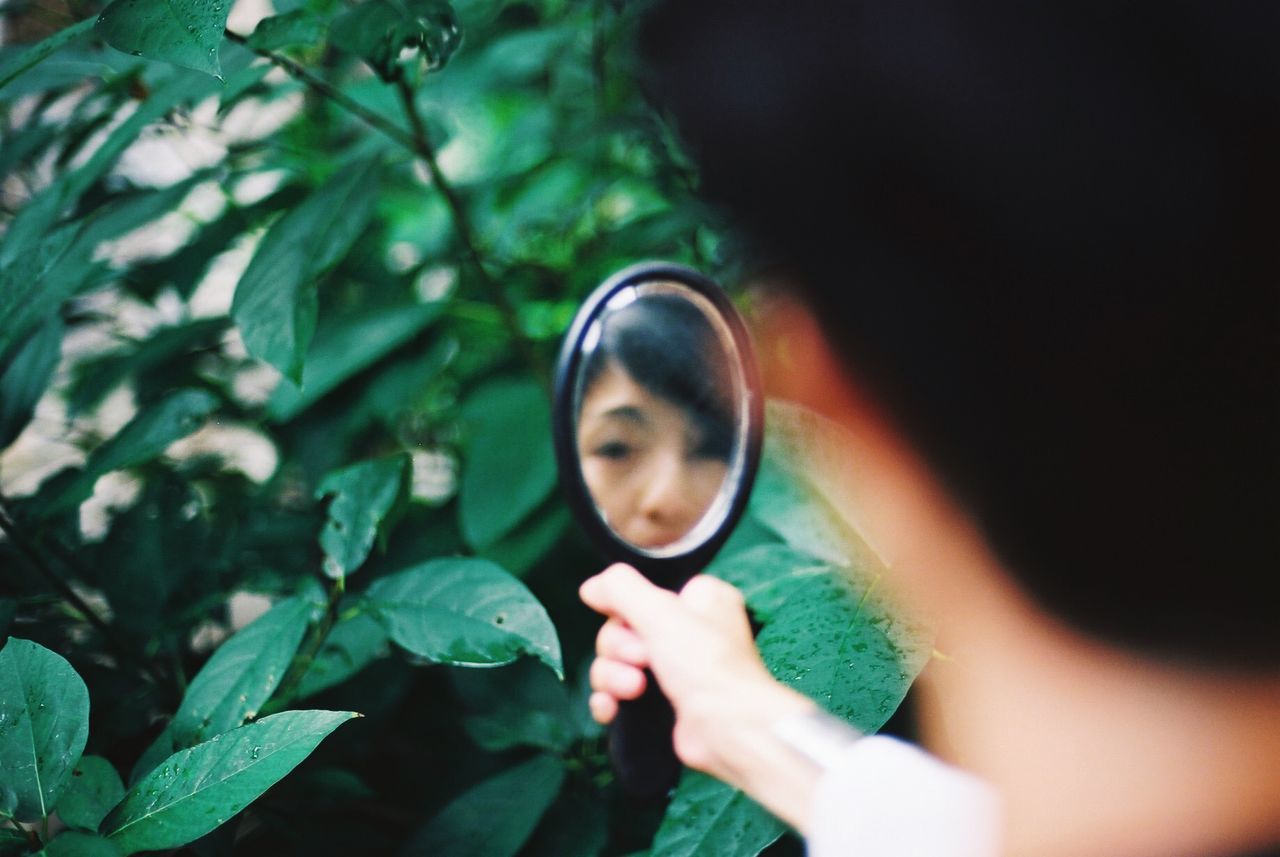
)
(707, 595)
(617, 679)
(603, 708)
(623, 592)
(619, 643)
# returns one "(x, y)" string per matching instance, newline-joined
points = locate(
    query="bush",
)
(277, 309)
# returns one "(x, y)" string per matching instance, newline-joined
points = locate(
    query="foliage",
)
(330, 389)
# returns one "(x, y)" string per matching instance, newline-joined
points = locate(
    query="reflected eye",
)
(614, 450)
(714, 446)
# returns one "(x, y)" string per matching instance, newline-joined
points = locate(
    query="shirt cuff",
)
(885, 797)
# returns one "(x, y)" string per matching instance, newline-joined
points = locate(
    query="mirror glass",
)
(660, 416)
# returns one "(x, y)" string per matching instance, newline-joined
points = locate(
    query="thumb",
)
(621, 591)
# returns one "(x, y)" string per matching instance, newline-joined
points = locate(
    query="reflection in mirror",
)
(660, 410)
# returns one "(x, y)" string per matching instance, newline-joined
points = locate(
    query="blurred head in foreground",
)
(1043, 237)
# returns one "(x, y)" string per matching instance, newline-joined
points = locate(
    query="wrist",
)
(745, 751)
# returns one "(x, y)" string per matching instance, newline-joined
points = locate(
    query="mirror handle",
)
(640, 743)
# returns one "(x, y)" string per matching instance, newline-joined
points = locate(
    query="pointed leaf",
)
(24, 380)
(510, 467)
(299, 27)
(37, 53)
(494, 818)
(352, 645)
(145, 437)
(344, 346)
(517, 705)
(198, 789)
(95, 380)
(275, 301)
(34, 224)
(576, 825)
(184, 32)
(466, 612)
(399, 37)
(44, 722)
(826, 637)
(365, 497)
(72, 843)
(707, 818)
(94, 788)
(242, 674)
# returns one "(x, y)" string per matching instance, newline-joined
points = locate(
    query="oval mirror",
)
(658, 418)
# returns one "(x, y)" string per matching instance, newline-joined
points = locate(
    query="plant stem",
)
(331, 92)
(307, 652)
(420, 144)
(462, 225)
(64, 590)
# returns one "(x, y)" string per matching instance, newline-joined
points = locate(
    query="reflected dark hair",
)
(667, 346)
(1045, 235)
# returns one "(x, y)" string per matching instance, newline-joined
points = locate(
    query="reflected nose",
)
(665, 501)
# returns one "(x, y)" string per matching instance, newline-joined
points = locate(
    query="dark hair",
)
(667, 346)
(1045, 235)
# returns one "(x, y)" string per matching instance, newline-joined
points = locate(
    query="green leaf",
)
(510, 468)
(157, 751)
(576, 825)
(44, 722)
(94, 789)
(186, 33)
(39, 52)
(33, 225)
(42, 264)
(24, 380)
(494, 818)
(365, 499)
(242, 674)
(13, 843)
(826, 637)
(344, 346)
(517, 705)
(399, 37)
(352, 645)
(149, 433)
(196, 790)
(72, 843)
(275, 301)
(520, 549)
(465, 612)
(33, 287)
(299, 27)
(707, 818)
(145, 437)
(99, 377)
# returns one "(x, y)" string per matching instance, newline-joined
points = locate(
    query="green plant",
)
(398, 220)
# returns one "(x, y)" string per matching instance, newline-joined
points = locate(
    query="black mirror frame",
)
(673, 570)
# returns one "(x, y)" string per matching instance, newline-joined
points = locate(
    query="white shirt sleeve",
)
(885, 798)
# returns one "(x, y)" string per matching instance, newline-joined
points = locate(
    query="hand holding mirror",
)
(658, 423)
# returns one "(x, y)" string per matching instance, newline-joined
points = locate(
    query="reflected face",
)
(650, 469)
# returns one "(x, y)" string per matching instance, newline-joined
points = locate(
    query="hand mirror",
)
(657, 422)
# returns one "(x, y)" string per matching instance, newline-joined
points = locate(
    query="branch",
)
(419, 144)
(328, 90)
(307, 652)
(461, 223)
